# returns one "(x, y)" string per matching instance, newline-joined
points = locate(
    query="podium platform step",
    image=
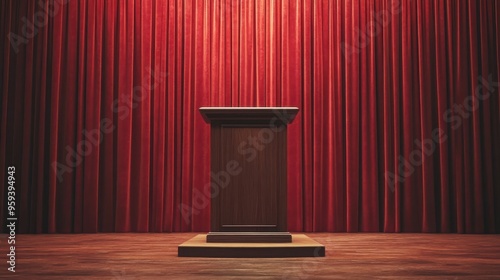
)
(301, 246)
(249, 237)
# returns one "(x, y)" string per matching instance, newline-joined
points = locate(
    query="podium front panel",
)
(248, 173)
(254, 196)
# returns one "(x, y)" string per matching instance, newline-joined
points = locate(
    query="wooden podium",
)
(248, 173)
(248, 187)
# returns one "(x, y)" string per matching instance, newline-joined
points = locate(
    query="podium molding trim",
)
(301, 246)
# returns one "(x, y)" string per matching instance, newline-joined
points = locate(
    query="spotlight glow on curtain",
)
(398, 129)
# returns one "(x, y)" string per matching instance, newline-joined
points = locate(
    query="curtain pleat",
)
(397, 131)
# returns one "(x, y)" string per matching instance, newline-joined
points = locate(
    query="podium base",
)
(301, 246)
(249, 237)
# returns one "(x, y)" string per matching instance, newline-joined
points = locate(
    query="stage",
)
(348, 255)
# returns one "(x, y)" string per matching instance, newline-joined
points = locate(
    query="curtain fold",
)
(398, 128)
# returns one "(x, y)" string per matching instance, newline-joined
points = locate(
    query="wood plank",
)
(249, 237)
(300, 246)
(348, 255)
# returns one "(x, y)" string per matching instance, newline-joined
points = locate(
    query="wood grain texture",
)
(261, 247)
(249, 237)
(251, 197)
(348, 256)
(248, 169)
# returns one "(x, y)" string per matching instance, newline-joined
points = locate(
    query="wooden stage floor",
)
(348, 256)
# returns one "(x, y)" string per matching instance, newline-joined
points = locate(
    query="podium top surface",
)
(249, 114)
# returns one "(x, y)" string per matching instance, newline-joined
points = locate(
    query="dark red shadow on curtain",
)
(398, 130)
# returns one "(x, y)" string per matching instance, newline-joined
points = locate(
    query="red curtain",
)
(398, 129)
